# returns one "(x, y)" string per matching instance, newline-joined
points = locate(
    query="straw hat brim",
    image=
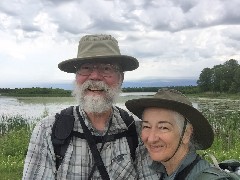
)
(127, 63)
(203, 133)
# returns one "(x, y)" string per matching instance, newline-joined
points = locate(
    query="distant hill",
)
(142, 83)
(139, 83)
(160, 83)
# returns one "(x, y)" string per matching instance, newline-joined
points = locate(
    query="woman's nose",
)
(152, 137)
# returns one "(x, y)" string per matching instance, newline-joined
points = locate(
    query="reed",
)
(226, 125)
(14, 123)
(16, 131)
(14, 139)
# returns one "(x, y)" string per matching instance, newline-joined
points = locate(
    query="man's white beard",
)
(96, 103)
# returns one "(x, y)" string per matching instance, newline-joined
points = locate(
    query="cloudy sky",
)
(170, 38)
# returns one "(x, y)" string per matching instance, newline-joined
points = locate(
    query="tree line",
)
(183, 89)
(50, 92)
(35, 91)
(223, 78)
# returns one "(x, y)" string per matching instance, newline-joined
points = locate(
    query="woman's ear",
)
(188, 134)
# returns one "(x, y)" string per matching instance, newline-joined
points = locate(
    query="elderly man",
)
(89, 141)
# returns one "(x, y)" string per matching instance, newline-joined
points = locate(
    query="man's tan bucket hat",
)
(100, 49)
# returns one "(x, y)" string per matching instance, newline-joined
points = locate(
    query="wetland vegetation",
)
(223, 114)
(217, 96)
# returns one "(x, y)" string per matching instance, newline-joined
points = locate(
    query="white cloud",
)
(171, 39)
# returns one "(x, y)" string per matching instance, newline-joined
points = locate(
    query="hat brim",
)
(127, 63)
(203, 133)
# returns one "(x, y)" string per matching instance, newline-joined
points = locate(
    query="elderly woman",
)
(172, 131)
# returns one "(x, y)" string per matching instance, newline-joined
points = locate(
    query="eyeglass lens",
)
(104, 69)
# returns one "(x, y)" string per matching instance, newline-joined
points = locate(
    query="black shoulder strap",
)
(61, 133)
(183, 174)
(132, 138)
(95, 153)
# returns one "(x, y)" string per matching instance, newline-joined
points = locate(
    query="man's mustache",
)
(95, 86)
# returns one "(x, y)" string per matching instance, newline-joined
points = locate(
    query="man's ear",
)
(121, 77)
(122, 74)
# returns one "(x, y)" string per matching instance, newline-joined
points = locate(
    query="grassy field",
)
(14, 139)
(223, 115)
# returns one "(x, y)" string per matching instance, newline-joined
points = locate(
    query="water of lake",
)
(34, 107)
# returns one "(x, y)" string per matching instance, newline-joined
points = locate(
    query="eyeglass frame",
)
(115, 68)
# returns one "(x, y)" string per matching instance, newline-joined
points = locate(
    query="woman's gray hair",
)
(179, 119)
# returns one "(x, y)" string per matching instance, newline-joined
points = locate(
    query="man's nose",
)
(95, 74)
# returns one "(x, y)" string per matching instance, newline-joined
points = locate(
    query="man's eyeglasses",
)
(103, 69)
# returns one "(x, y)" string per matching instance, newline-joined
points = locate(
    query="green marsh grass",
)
(14, 139)
(226, 127)
(15, 134)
